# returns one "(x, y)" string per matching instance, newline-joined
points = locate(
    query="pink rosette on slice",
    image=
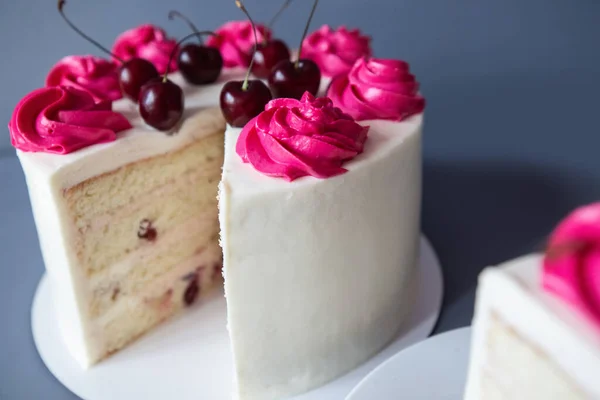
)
(292, 139)
(97, 76)
(377, 89)
(235, 41)
(571, 268)
(336, 51)
(61, 120)
(148, 42)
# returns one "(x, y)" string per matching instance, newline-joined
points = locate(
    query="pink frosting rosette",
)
(295, 138)
(377, 89)
(336, 51)
(148, 42)
(235, 41)
(571, 268)
(61, 120)
(95, 75)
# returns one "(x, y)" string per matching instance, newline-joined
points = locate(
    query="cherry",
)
(267, 55)
(133, 74)
(198, 64)
(243, 100)
(293, 79)
(192, 290)
(270, 52)
(161, 104)
(239, 105)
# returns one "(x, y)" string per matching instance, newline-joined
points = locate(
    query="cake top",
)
(571, 266)
(90, 101)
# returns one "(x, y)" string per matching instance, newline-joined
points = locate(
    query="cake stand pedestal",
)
(189, 358)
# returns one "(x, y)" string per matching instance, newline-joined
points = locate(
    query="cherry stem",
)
(198, 34)
(240, 5)
(61, 4)
(175, 13)
(277, 15)
(312, 12)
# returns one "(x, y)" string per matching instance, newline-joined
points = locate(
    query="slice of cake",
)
(320, 222)
(536, 331)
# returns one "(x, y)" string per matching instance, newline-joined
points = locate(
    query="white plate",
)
(434, 369)
(189, 357)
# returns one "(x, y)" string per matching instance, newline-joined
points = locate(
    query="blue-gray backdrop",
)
(512, 138)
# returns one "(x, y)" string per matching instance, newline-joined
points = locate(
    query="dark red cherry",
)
(161, 104)
(268, 55)
(291, 79)
(191, 291)
(239, 105)
(199, 64)
(134, 74)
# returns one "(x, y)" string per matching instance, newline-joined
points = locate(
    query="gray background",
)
(511, 141)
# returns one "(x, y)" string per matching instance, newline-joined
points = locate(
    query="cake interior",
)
(146, 240)
(515, 368)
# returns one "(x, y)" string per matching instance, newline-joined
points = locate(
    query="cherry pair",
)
(243, 100)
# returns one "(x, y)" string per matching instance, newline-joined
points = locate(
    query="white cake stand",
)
(434, 369)
(189, 357)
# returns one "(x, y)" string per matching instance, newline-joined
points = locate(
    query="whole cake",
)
(536, 332)
(155, 174)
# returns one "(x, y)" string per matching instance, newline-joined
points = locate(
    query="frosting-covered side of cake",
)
(320, 221)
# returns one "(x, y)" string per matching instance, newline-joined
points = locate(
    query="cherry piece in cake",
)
(191, 292)
(147, 231)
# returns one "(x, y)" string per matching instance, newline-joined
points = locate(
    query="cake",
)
(536, 330)
(309, 208)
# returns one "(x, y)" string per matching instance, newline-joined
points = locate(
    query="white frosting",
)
(131, 145)
(513, 292)
(318, 272)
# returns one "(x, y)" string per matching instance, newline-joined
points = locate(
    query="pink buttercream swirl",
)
(292, 139)
(235, 41)
(336, 51)
(377, 89)
(97, 76)
(572, 262)
(61, 120)
(148, 42)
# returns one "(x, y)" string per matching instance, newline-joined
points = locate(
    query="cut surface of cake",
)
(129, 229)
(535, 332)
